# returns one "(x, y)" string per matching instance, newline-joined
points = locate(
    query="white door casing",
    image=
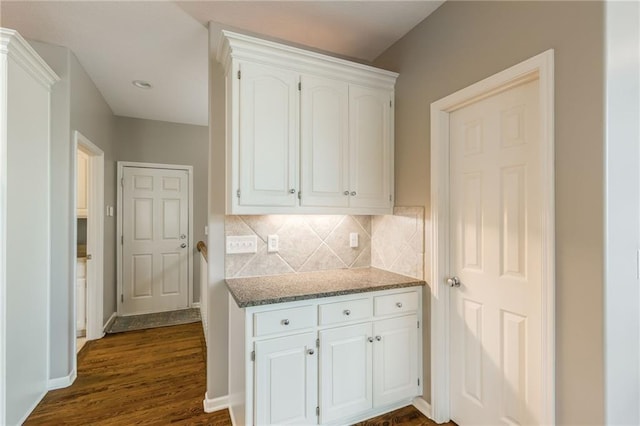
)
(493, 338)
(156, 239)
(94, 213)
(496, 252)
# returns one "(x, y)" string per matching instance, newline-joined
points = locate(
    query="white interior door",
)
(496, 251)
(155, 229)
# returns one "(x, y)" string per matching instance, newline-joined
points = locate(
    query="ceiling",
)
(166, 42)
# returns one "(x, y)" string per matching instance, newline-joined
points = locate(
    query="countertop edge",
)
(285, 299)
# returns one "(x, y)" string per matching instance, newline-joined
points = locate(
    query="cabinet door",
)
(82, 184)
(324, 142)
(395, 360)
(371, 157)
(346, 371)
(286, 387)
(269, 105)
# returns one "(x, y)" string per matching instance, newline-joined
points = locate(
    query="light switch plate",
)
(272, 243)
(353, 240)
(242, 244)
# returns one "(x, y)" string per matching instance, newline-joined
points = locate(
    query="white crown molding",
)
(17, 48)
(234, 46)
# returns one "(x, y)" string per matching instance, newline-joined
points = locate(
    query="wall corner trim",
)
(107, 324)
(62, 382)
(215, 404)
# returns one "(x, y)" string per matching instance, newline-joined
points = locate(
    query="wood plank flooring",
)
(151, 377)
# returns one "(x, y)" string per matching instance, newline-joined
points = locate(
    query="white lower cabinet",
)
(333, 360)
(346, 357)
(286, 376)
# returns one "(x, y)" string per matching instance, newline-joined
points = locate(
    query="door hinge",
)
(418, 381)
(390, 197)
(299, 85)
(390, 104)
(122, 182)
(121, 239)
(253, 355)
(238, 193)
(317, 343)
(239, 74)
(299, 195)
(317, 411)
(418, 324)
(121, 298)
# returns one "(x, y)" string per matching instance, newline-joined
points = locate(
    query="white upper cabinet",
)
(370, 147)
(324, 165)
(268, 136)
(306, 133)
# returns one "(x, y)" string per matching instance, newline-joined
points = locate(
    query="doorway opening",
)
(88, 219)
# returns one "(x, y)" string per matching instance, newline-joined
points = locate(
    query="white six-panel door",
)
(496, 252)
(155, 246)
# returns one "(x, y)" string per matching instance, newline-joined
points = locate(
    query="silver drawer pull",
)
(378, 338)
(346, 192)
(370, 339)
(311, 352)
(399, 304)
(353, 193)
(347, 312)
(285, 322)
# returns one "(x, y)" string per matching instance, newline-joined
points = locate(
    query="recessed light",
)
(141, 84)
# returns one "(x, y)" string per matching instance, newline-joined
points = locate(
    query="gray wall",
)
(151, 141)
(92, 116)
(464, 42)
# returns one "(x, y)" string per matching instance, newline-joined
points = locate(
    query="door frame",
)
(95, 236)
(540, 67)
(121, 166)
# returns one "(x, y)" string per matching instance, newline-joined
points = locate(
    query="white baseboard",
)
(215, 404)
(111, 319)
(195, 305)
(62, 382)
(423, 406)
(33, 407)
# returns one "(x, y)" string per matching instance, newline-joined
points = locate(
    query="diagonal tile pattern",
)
(307, 243)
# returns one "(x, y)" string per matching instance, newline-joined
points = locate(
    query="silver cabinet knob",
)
(353, 193)
(89, 257)
(378, 338)
(346, 312)
(183, 245)
(311, 351)
(453, 282)
(346, 192)
(399, 304)
(370, 339)
(285, 322)
(182, 237)
(292, 191)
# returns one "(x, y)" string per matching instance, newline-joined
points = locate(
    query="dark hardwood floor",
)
(151, 377)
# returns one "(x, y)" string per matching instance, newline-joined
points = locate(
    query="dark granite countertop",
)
(266, 290)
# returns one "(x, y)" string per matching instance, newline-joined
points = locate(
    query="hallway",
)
(154, 376)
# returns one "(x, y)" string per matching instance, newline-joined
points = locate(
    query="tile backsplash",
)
(306, 243)
(321, 242)
(398, 241)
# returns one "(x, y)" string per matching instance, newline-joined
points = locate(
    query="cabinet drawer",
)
(396, 303)
(349, 310)
(283, 320)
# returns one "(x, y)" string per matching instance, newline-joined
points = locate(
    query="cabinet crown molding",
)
(16, 47)
(235, 46)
